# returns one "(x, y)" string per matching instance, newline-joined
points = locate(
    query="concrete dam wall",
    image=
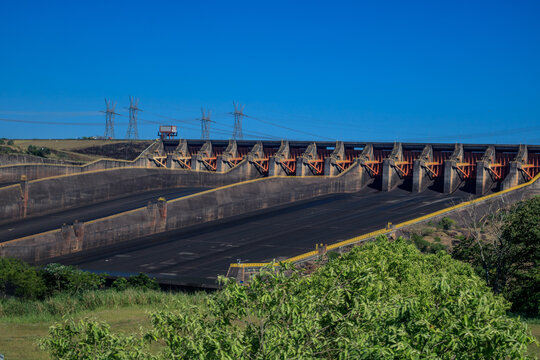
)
(44, 196)
(227, 201)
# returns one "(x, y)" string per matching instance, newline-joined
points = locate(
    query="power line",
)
(109, 119)
(205, 124)
(238, 115)
(288, 128)
(132, 131)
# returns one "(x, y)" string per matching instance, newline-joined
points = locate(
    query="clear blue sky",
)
(439, 71)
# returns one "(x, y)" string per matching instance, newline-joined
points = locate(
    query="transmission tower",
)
(205, 124)
(238, 115)
(109, 119)
(132, 132)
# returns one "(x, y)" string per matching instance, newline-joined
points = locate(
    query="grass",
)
(54, 308)
(22, 323)
(534, 325)
(63, 149)
(19, 340)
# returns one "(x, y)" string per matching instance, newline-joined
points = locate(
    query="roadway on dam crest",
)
(35, 225)
(195, 256)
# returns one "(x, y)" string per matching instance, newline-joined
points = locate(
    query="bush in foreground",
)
(380, 301)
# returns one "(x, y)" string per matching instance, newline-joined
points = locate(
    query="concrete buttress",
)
(276, 163)
(304, 165)
(390, 176)
(484, 177)
(516, 175)
(198, 161)
(422, 178)
(228, 159)
(331, 167)
(452, 179)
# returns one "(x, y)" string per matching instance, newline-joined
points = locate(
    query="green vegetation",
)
(382, 300)
(446, 223)
(38, 151)
(505, 250)
(426, 246)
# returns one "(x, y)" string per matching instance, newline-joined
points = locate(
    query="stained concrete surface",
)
(196, 255)
(34, 225)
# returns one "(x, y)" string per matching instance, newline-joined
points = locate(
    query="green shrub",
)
(38, 151)
(383, 300)
(88, 339)
(446, 223)
(437, 239)
(10, 142)
(120, 284)
(17, 278)
(437, 247)
(427, 231)
(142, 281)
(60, 278)
(418, 241)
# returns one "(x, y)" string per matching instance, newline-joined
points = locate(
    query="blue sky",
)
(431, 71)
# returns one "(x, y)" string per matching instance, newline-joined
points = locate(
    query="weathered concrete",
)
(484, 177)
(391, 178)
(44, 168)
(12, 159)
(208, 206)
(422, 177)
(228, 158)
(452, 179)
(331, 167)
(275, 163)
(197, 160)
(303, 163)
(516, 175)
(47, 195)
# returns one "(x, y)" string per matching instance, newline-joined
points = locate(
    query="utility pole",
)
(238, 115)
(132, 132)
(109, 119)
(205, 124)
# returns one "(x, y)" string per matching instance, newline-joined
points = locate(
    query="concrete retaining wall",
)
(12, 159)
(52, 194)
(231, 200)
(13, 166)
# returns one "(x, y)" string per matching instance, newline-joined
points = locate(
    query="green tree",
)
(383, 300)
(17, 278)
(504, 248)
(62, 278)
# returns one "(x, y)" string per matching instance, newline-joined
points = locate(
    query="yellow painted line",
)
(144, 208)
(397, 226)
(29, 237)
(7, 187)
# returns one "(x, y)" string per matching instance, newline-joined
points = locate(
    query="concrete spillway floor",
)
(35, 225)
(196, 255)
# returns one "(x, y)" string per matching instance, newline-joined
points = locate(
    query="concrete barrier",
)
(14, 166)
(47, 195)
(223, 202)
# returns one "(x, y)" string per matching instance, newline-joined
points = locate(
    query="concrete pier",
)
(391, 178)
(452, 179)
(276, 163)
(515, 172)
(422, 177)
(484, 177)
(331, 167)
